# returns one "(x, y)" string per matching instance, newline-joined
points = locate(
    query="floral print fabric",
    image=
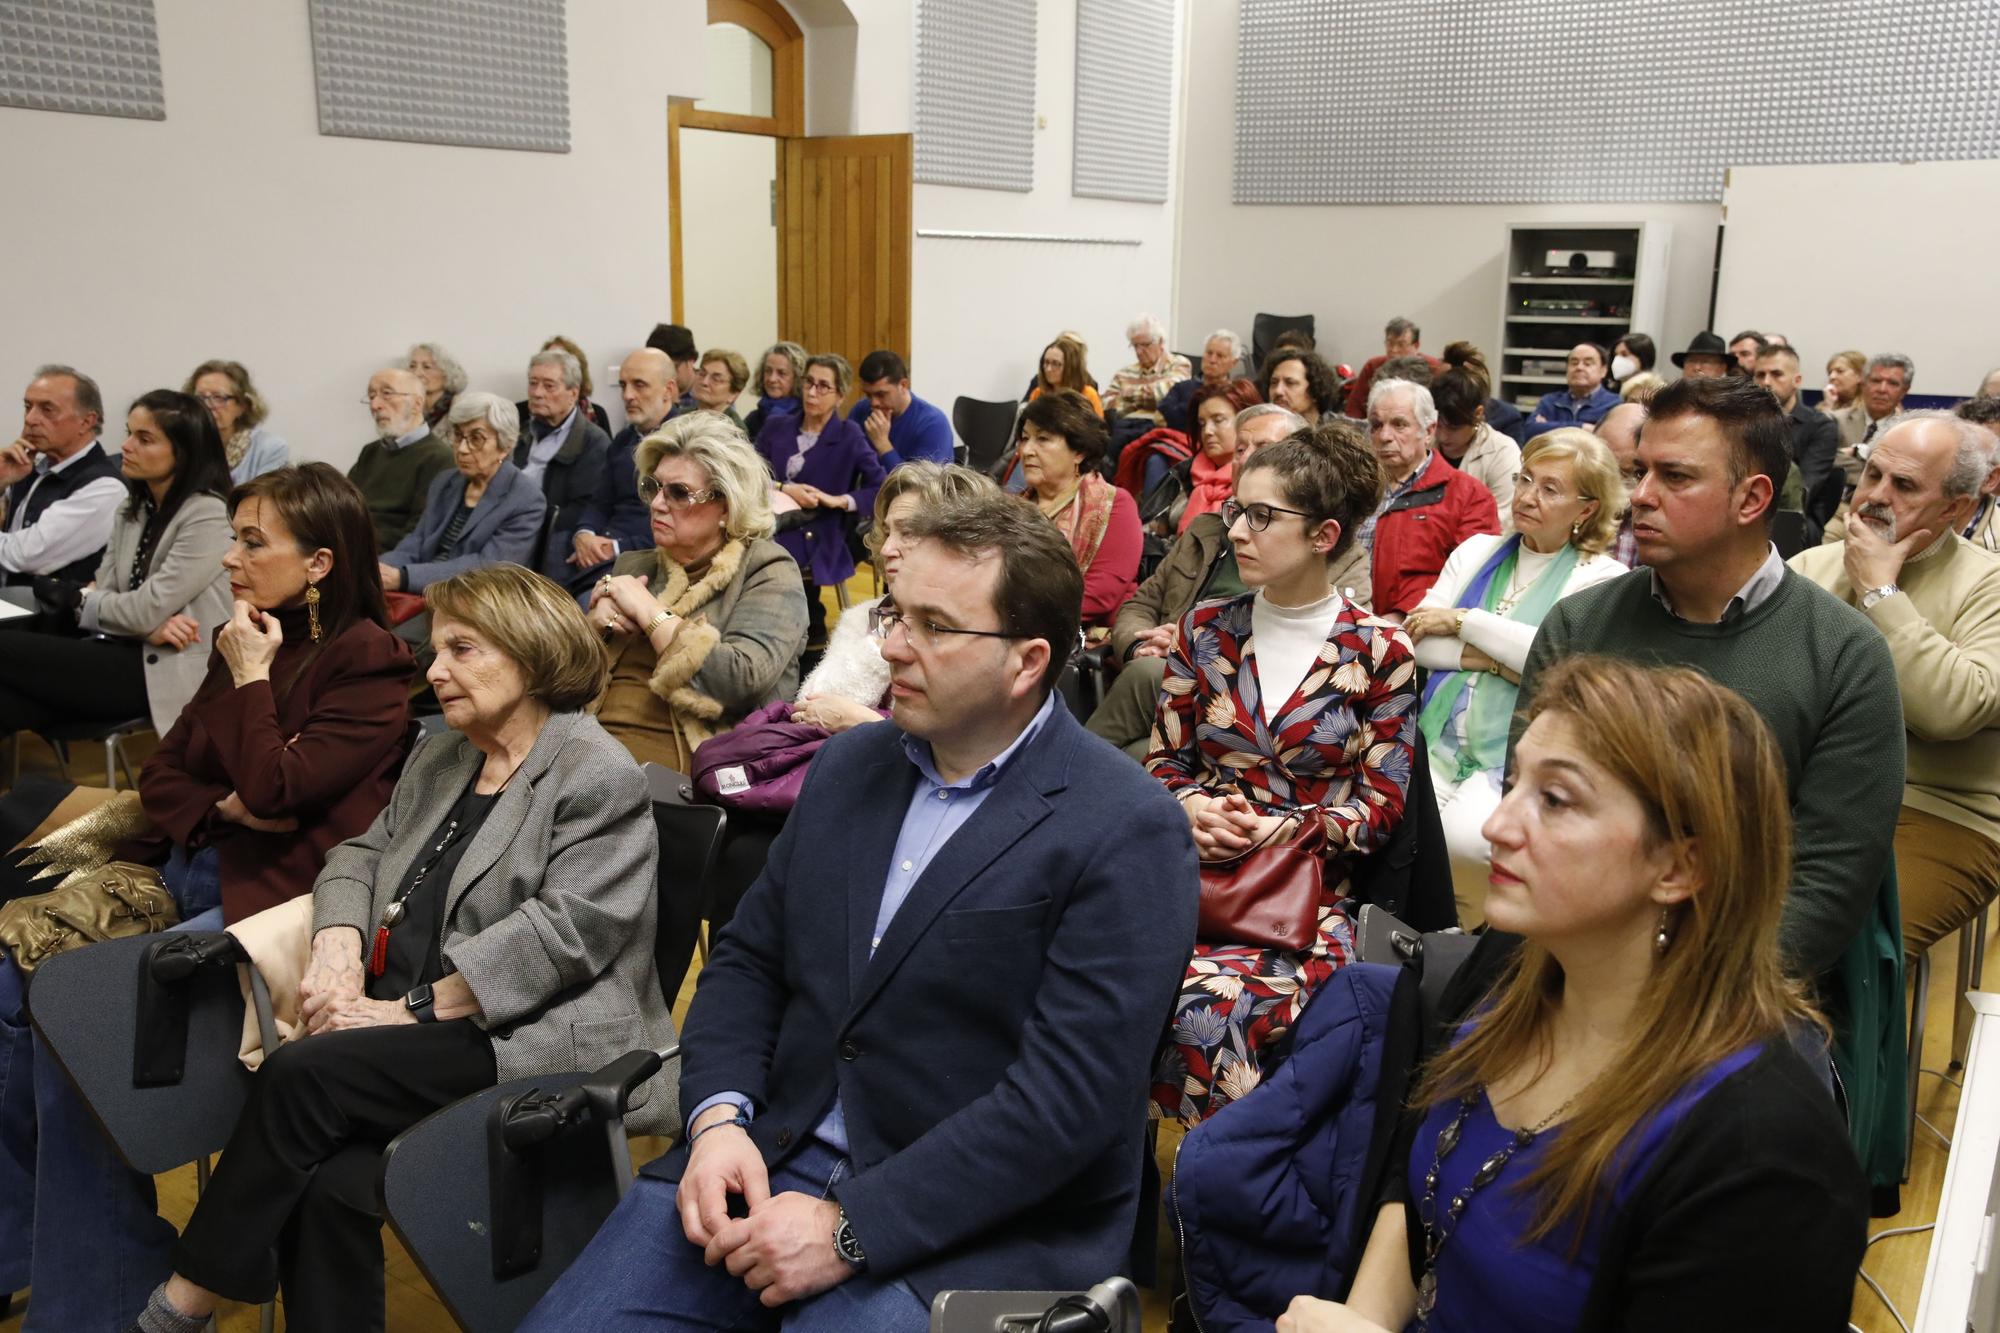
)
(1339, 750)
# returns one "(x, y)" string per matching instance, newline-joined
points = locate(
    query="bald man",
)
(1620, 432)
(616, 520)
(395, 468)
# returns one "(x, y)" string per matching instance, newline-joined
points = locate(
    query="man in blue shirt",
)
(1584, 402)
(902, 427)
(917, 1059)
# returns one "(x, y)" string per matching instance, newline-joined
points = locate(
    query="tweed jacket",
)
(184, 578)
(550, 915)
(503, 528)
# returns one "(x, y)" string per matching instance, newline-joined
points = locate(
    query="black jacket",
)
(569, 485)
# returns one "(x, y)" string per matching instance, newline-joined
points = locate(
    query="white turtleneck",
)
(1286, 641)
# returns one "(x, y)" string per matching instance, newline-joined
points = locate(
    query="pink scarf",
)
(1212, 482)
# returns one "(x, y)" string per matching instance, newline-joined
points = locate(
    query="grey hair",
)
(843, 374)
(1149, 325)
(1294, 423)
(1972, 449)
(792, 352)
(571, 368)
(454, 373)
(1896, 359)
(495, 411)
(88, 397)
(1420, 397)
(1225, 336)
(734, 468)
(1400, 327)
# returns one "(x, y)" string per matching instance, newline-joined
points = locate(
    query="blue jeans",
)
(642, 1272)
(76, 1224)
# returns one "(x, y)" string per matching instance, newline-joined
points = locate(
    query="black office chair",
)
(1266, 328)
(113, 735)
(987, 429)
(690, 837)
(541, 547)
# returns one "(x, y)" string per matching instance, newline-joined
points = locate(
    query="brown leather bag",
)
(1269, 896)
(111, 902)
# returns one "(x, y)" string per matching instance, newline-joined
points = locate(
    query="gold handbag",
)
(114, 901)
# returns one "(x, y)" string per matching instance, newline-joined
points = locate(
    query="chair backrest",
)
(1788, 532)
(1266, 328)
(541, 550)
(668, 785)
(85, 1005)
(690, 838)
(986, 427)
(1410, 877)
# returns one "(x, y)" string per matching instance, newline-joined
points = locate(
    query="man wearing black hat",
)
(677, 341)
(1706, 358)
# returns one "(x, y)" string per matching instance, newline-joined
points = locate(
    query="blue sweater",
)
(920, 433)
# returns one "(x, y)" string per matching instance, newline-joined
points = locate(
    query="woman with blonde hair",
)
(1474, 627)
(225, 389)
(1629, 1131)
(707, 626)
(779, 371)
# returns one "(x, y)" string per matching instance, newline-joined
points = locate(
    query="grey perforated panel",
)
(98, 57)
(483, 73)
(1124, 98)
(974, 121)
(1512, 101)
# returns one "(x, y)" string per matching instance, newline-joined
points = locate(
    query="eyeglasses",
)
(678, 496)
(1258, 516)
(883, 620)
(216, 399)
(818, 386)
(380, 395)
(1547, 492)
(474, 438)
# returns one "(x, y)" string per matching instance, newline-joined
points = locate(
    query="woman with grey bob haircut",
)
(483, 512)
(706, 627)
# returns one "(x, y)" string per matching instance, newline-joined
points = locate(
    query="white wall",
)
(233, 228)
(729, 243)
(1353, 267)
(983, 310)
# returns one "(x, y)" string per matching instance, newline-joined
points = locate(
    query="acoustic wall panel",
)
(479, 73)
(1124, 98)
(96, 57)
(1527, 101)
(974, 107)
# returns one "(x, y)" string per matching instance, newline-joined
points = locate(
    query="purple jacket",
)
(841, 463)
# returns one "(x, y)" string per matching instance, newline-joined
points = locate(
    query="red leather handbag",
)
(1269, 896)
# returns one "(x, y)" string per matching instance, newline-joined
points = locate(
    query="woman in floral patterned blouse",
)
(1283, 705)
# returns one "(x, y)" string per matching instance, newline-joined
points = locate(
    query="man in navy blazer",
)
(918, 1056)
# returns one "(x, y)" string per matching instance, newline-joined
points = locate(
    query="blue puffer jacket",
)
(1268, 1191)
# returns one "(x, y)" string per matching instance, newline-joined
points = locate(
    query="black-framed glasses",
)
(1258, 516)
(678, 495)
(882, 621)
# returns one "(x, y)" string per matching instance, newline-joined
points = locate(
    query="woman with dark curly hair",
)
(1062, 442)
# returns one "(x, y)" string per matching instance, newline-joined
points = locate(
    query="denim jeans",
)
(641, 1272)
(76, 1224)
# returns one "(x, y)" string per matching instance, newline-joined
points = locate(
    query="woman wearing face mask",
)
(1461, 395)
(1631, 355)
(1624, 1134)
(1474, 627)
(290, 746)
(1283, 708)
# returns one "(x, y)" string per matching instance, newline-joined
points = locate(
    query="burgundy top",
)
(326, 753)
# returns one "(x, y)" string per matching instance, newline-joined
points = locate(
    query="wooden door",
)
(844, 244)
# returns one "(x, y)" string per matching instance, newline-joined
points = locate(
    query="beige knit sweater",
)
(1944, 633)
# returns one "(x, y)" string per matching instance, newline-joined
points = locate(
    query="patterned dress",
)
(1340, 752)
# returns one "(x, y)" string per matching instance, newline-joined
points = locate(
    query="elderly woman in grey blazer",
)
(159, 594)
(484, 513)
(496, 921)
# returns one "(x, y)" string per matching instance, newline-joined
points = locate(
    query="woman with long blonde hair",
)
(1625, 1133)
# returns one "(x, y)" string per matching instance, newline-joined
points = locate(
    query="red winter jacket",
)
(1424, 526)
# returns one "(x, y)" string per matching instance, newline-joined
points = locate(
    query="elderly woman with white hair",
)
(444, 379)
(482, 513)
(706, 627)
(1136, 391)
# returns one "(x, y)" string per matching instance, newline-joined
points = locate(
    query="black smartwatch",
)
(421, 1004)
(846, 1245)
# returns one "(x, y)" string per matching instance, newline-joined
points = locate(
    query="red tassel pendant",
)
(378, 957)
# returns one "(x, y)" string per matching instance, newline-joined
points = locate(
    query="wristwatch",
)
(420, 1003)
(846, 1245)
(1874, 595)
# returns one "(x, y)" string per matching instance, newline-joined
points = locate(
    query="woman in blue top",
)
(1625, 1134)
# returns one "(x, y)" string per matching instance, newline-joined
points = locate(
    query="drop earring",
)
(312, 609)
(1662, 939)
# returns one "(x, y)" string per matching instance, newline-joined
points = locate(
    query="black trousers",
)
(293, 1202)
(47, 679)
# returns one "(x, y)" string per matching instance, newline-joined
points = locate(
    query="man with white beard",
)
(395, 469)
(1936, 599)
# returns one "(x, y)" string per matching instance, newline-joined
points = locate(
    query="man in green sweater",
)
(395, 469)
(1936, 599)
(1716, 597)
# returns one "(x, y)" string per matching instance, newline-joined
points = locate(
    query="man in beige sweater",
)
(1936, 599)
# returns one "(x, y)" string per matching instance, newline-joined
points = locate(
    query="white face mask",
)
(1624, 367)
